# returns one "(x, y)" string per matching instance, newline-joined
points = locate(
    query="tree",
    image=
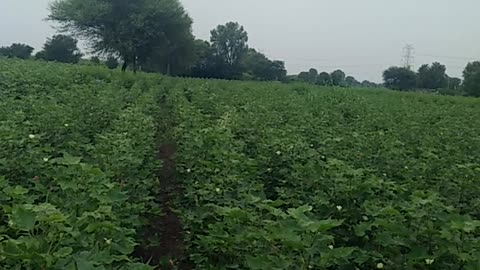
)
(432, 77)
(324, 79)
(303, 76)
(17, 50)
(312, 75)
(471, 79)
(278, 71)
(60, 48)
(171, 59)
(229, 44)
(454, 83)
(350, 81)
(132, 29)
(259, 67)
(338, 77)
(111, 63)
(368, 84)
(40, 55)
(204, 61)
(399, 78)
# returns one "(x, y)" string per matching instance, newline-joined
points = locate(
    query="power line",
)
(450, 57)
(408, 56)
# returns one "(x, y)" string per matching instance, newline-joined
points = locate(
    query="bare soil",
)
(166, 229)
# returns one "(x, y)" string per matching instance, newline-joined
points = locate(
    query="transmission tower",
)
(408, 56)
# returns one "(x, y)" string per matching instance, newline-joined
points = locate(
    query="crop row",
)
(296, 177)
(77, 164)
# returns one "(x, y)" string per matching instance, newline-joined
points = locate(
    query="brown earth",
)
(166, 229)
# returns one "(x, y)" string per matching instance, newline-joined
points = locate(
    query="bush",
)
(112, 62)
(95, 60)
(17, 50)
(60, 48)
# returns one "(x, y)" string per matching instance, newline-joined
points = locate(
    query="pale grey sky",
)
(360, 37)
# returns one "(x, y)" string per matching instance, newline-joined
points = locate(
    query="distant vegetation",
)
(60, 48)
(162, 42)
(428, 78)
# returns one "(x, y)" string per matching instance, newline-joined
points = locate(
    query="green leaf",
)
(418, 253)
(324, 225)
(260, 262)
(19, 191)
(70, 160)
(343, 252)
(23, 219)
(63, 252)
(139, 266)
(83, 264)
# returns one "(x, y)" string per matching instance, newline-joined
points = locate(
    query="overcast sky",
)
(361, 37)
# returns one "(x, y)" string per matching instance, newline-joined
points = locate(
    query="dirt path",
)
(165, 229)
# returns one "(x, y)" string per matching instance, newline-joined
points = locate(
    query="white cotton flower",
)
(31, 136)
(189, 170)
(66, 125)
(365, 218)
(339, 207)
(45, 159)
(380, 265)
(278, 153)
(269, 169)
(330, 246)
(429, 261)
(108, 241)
(217, 190)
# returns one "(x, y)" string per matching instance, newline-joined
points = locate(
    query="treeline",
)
(59, 48)
(434, 78)
(156, 36)
(336, 78)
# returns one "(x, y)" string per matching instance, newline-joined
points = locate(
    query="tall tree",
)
(61, 48)
(399, 78)
(203, 65)
(17, 50)
(132, 29)
(338, 77)
(471, 79)
(432, 77)
(229, 43)
(171, 59)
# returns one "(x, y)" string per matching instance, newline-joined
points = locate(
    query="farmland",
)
(272, 176)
